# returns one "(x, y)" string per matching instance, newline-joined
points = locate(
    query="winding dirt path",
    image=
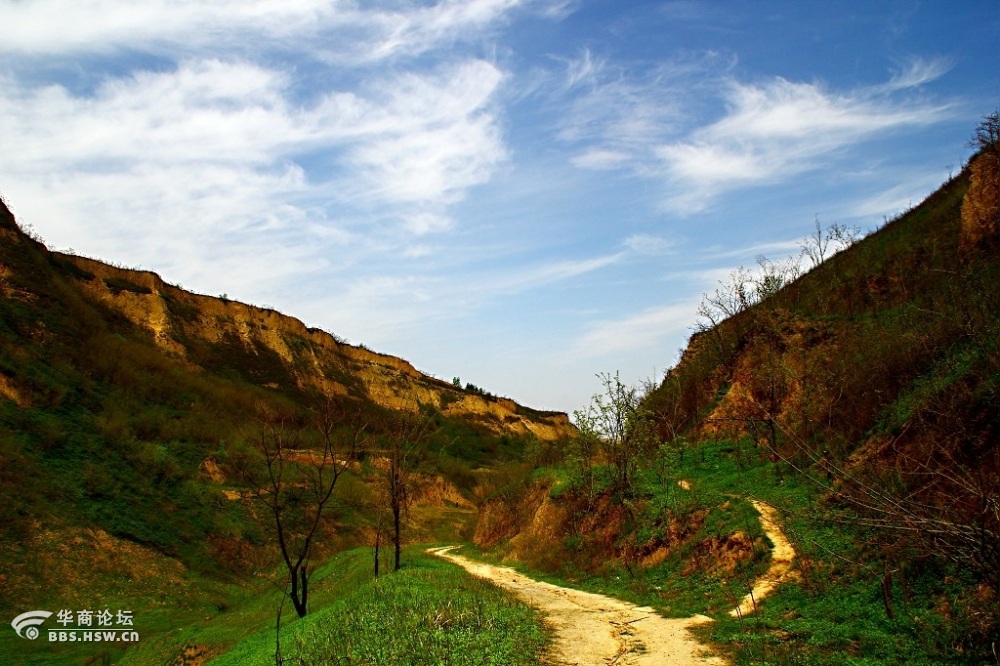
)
(780, 570)
(592, 629)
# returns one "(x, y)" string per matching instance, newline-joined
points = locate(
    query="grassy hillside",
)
(861, 400)
(122, 433)
(879, 371)
(431, 612)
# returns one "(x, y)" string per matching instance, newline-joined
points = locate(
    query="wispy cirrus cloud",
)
(46, 27)
(641, 330)
(334, 30)
(530, 277)
(650, 244)
(896, 198)
(423, 138)
(916, 72)
(770, 130)
(776, 130)
(610, 113)
(418, 29)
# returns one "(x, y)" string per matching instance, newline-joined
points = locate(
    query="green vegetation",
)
(118, 460)
(836, 612)
(429, 612)
(118, 285)
(874, 379)
(859, 398)
(712, 549)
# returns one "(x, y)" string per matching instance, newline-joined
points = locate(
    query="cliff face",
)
(279, 351)
(981, 207)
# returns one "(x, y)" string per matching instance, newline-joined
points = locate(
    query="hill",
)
(860, 399)
(879, 370)
(127, 406)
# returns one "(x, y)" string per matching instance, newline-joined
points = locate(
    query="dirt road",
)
(592, 629)
(782, 557)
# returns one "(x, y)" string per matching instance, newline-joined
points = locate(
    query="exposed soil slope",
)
(595, 629)
(279, 351)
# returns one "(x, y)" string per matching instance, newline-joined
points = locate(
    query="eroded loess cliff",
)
(981, 207)
(275, 350)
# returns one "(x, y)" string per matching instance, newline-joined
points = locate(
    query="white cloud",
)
(64, 26)
(621, 116)
(425, 223)
(776, 130)
(599, 159)
(418, 251)
(419, 138)
(781, 109)
(220, 140)
(770, 130)
(615, 112)
(582, 70)
(648, 244)
(641, 330)
(775, 249)
(557, 9)
(917, 72)
(898, 198)
(334, 30)
(525, 278)
(205, 111)
(419, 29)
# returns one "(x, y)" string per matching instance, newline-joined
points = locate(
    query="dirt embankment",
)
(282, 351)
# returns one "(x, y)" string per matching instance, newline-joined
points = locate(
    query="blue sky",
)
(517, 192)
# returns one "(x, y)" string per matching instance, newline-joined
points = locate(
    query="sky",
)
(519, 193)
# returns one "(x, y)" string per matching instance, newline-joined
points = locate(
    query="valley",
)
(815, 480)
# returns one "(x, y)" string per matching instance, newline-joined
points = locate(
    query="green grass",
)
(118, 285)
(162, 605)
(834, 614)
(675, 587)
(429, 612)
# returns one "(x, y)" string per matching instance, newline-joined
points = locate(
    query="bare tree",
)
(378, 535)
(844, 236)
(772, 276)
(622, 427)
(814, 246)
(399, 446)
(744, 289)
(730, 298)
(987, 134)
(938, 498)
(822, 243)
(733, 296)
(294, 482)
